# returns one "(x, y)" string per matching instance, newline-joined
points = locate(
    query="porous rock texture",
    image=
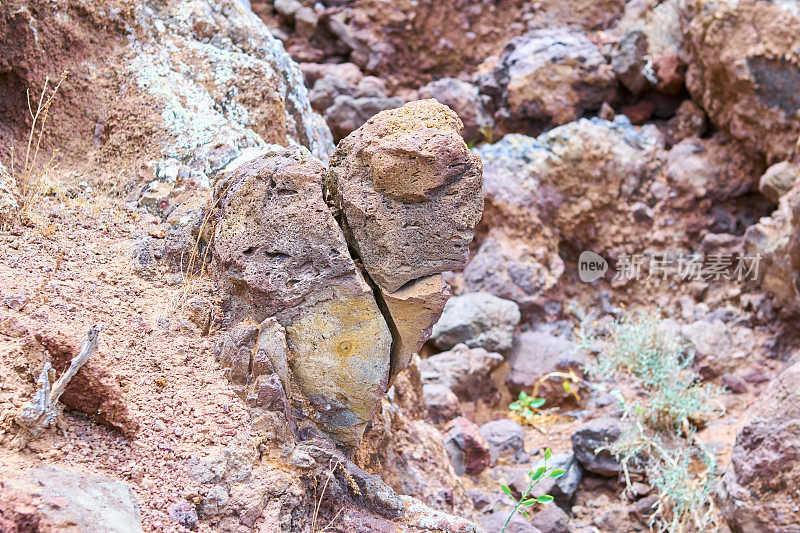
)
(279, 253)
(546, 78)
(748, 85)
(409, 193)
(758, 492)
(408, 196)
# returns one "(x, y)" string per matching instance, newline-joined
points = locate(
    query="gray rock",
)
(346, 114)
(496, 520)
(596, 434)
(183, 513)
(514, 268)
(465, 99)
(404, 233)
(442, 404)
(78, 501)
(214, 502)
(463, 370)
(548, 77)
(563, 488)
(535, 354)
(479, 320)
(628, 61)
(505, 438)
(551, 519)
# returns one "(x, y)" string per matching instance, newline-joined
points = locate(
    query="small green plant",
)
(526, 406)
(658, 436)
(525, 500)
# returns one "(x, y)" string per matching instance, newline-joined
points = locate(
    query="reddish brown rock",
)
(468, 450)
(19, 512)
(744, 71)
(640, 112)
(670, 72)
(759, 489)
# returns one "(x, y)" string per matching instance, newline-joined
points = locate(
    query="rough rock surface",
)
(775, 240)
(759, 488)
(9, 196)
(595, 434)
(468, 450)
(409, 193)
(466, 101)
(465, 371)
(479, 320)
(576, 178)
(505, 438)
(747, 85)
(546, 78)
(278, 252)
(718, 168)
(66, 500)
(413, 311)
(202, 82)
(778, 180)
(411, 457)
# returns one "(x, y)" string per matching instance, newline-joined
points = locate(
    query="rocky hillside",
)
(366, 266)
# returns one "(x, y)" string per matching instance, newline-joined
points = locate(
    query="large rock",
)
(465, 371)
(66, 500)
(515, 268)
(278, 252)
(576, 178)
(588, 440)
(536, 354)
(479, 320)
(749, 85)
(340, 335)
(409, 193)
(546, 78)
(718, 168)
(466, 101)
(758, 492)
(506, 438)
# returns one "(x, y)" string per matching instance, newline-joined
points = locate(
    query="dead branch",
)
(43, 409)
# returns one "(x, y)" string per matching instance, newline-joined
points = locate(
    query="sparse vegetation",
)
(32, 179)
(525, 500)
(659, 426)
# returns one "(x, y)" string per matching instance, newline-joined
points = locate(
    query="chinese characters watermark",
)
(660, 267)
